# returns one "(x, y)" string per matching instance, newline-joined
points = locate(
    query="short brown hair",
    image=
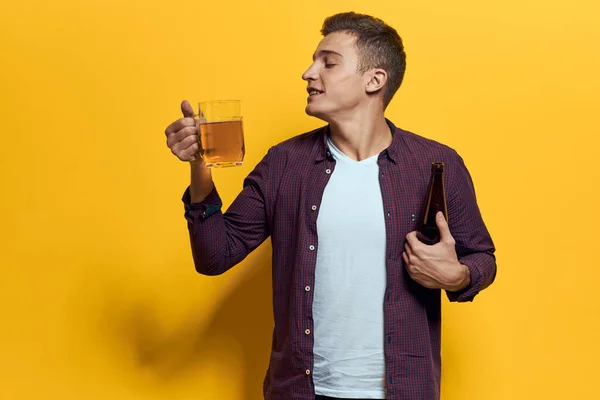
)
(378, 45)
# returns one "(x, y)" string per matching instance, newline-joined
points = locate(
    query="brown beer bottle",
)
(435, 200)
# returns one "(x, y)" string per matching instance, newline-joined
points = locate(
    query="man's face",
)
(333, 74)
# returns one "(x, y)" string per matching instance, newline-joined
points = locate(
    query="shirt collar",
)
(391, 151)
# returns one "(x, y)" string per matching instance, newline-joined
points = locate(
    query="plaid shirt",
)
(281, 199)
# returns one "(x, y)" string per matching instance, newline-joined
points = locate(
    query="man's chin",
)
(316, 113)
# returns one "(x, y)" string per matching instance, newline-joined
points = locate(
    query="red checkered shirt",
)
(281, 199)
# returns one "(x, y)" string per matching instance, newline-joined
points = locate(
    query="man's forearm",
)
(201, 181)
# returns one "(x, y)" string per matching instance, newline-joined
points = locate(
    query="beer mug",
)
(221, 133)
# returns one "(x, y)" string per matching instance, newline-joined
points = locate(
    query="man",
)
(357, 297)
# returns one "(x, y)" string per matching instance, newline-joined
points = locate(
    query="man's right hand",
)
(183, 136)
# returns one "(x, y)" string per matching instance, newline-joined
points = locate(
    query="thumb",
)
(442, 225)
(187, 110)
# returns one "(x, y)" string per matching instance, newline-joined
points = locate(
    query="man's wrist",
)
(197, 162)
(464, 280)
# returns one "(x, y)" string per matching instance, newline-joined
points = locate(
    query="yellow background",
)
(98, 295)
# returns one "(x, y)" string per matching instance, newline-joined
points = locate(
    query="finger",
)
(179, 125)
(405, 257)
(442, 224)
(412, 240)
(408, 266)
(180, 148)
(187, 110)
(409, 250)
(184, 133)
(191, 153)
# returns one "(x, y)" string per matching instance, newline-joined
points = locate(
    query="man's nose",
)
(310, 74)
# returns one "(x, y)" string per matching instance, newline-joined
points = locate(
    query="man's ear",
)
(377, 79)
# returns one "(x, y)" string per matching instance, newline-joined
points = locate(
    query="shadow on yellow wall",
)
(242, 317)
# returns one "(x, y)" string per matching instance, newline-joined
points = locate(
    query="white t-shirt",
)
(350, 282)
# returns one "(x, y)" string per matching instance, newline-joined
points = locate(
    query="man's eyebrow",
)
(322, 52)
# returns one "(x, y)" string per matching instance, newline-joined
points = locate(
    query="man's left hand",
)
(436, 266)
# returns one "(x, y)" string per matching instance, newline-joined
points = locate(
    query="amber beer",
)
(223, 143)
(221, 133)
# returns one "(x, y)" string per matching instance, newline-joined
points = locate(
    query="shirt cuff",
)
(209, 206)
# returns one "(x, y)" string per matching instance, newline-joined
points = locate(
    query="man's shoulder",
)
(423, 148)
(415, 141)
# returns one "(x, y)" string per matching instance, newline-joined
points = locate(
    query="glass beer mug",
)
(221, 133)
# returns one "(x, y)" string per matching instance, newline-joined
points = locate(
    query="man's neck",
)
(361, 136)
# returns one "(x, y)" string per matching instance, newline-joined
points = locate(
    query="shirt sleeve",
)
(221, 240)
(474, 245)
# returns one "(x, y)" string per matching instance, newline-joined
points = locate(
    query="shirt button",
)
(307, 331)
(308, 372)
(311, 247)
(327, 171)
(389, 215)
(313, 208)
(307, 288)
